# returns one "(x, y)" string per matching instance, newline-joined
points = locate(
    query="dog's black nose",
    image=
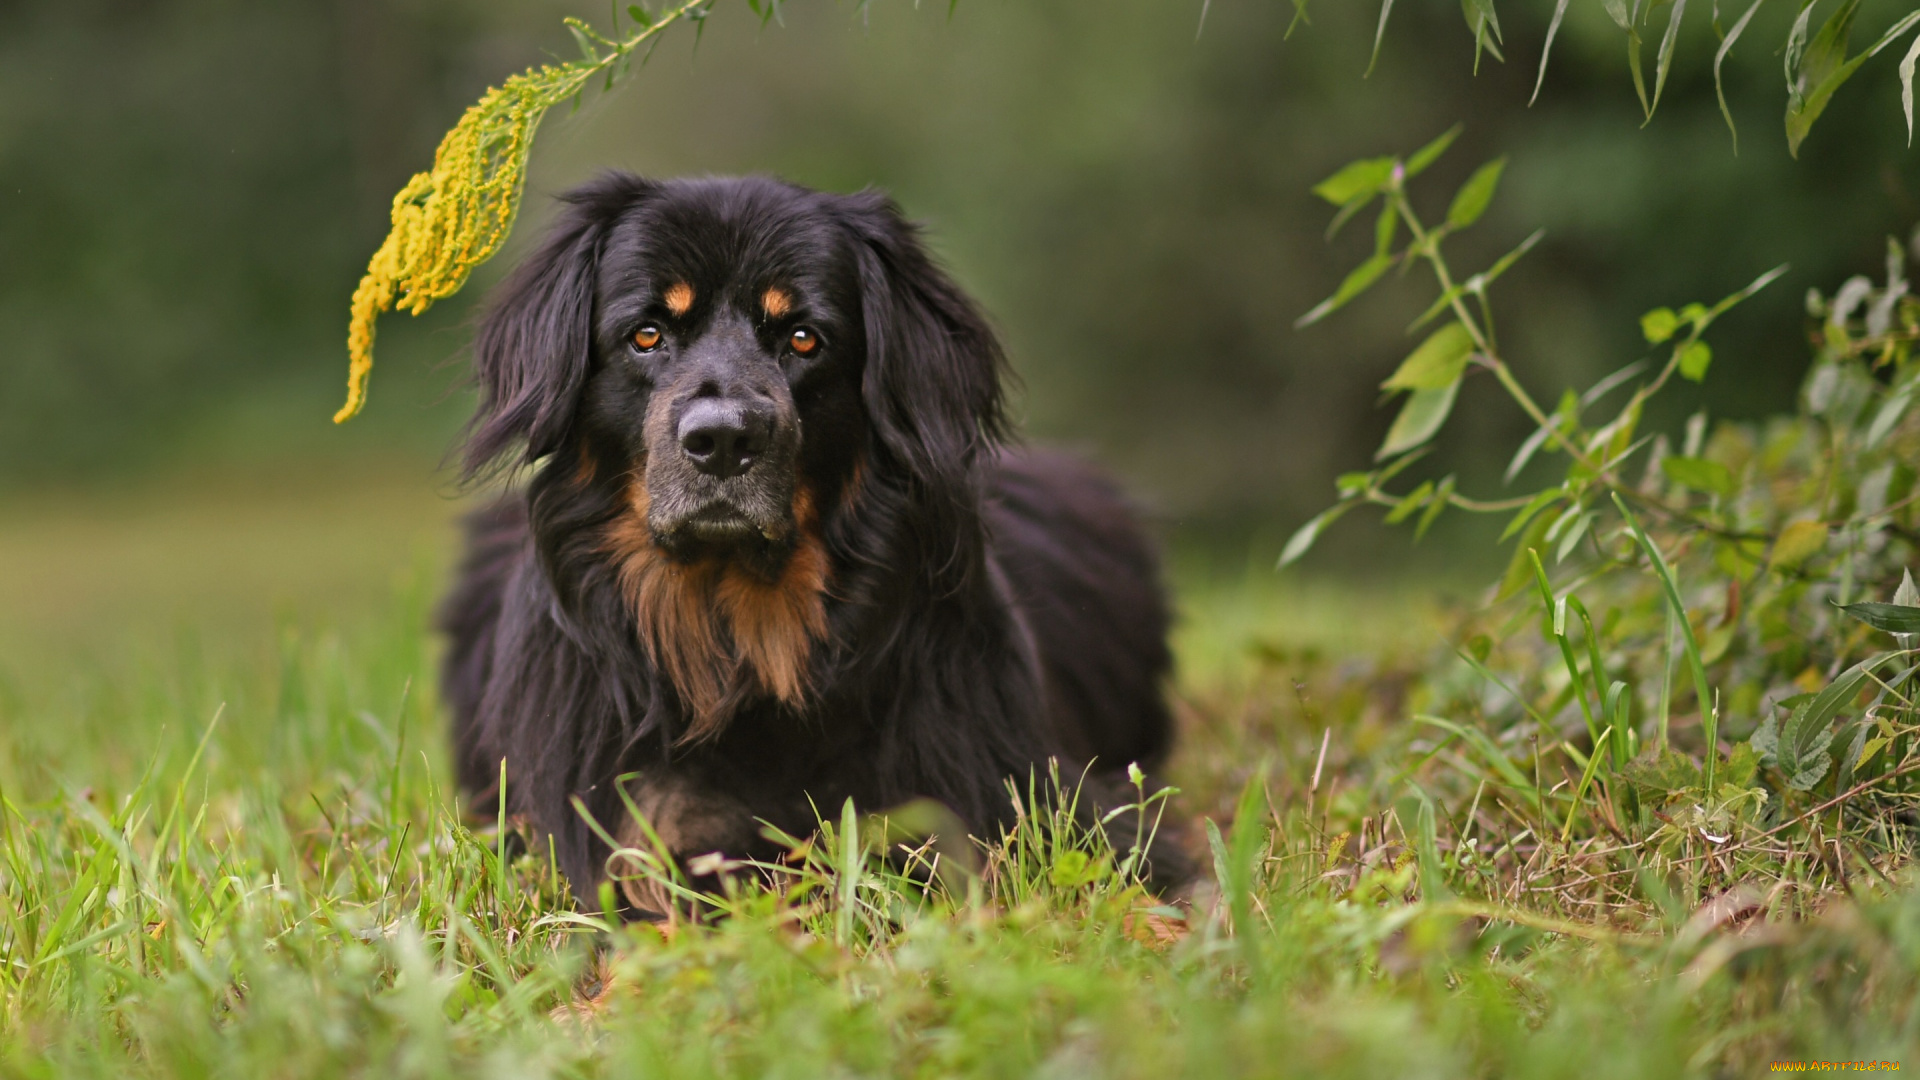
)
(722, 438)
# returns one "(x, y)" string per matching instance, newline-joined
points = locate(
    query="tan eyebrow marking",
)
(776, 302)
(679, 297)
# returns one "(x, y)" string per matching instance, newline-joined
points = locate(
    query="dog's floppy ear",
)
(534, 348)
(932, 384)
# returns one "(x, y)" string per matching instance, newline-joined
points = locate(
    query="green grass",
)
(229, 848)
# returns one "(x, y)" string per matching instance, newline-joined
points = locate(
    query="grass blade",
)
(1496, 758)
(1586, 780)
(1709, 713)
(849, 865)
(1556, 610)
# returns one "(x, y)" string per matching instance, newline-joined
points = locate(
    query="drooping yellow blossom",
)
(452, 218)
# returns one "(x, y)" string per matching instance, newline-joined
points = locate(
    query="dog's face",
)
(730, 349)
(738, 357)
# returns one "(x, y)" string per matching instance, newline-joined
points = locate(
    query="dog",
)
(774, 548)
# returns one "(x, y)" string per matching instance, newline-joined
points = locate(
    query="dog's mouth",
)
(721, 523)
(723, 528)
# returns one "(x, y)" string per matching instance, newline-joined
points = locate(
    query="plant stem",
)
(1482, 338)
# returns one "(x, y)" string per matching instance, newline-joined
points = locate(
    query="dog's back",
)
(1085, 578)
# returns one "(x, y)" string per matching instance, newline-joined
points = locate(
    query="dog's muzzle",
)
(721, 473)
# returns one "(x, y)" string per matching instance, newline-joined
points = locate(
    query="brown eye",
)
(647, 338)
(804, 341)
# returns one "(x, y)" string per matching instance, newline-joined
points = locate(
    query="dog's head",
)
(715, 379)
(739, 346)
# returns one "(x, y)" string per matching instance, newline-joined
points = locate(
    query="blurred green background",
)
(189, 190)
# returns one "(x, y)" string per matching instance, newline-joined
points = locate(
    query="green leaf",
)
(1572, 536)
(1527, 449)
(1534, 506)
(1825, 68)
(1798, 745)
(1384, 229)
(1664, 59)
(1659, 324)
(1907, 63)
(1797, 47)
(1353, 483)
(1897, 617)
(1564, 417)
(1071, 869)
(1617, 11)
(1891, 410)
(1347, 213)
(1822, 72)
(1892, 618)
(1827, 52)
(1419, 418)
(1797, 543)
(1357, 282)
(1359, 179)
(1305, 535)
(1741, 767)
(639, 14)
(1694, 358)
(1719, 57)
(1813, 762)
(1434, 508)
(1410, 503)
(1475, 194)
(1699, 474)
(1486, 29)
(1553, 27)
(1431, 152)
(1379, 35)
(1439, 361)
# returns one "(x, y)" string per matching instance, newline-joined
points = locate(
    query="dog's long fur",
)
(924, 612)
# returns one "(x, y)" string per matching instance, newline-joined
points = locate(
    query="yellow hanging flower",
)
(452, 218)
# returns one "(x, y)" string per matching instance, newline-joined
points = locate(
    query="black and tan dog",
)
(772, 553)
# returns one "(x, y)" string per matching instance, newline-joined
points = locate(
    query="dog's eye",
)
(803, 341)
(647, 338)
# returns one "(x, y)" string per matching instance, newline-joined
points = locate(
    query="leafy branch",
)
(1431, 375)
(1749, 558)
(1815, 67)
(456, 215)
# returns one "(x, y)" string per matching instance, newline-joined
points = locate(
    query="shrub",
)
(1696, 669)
